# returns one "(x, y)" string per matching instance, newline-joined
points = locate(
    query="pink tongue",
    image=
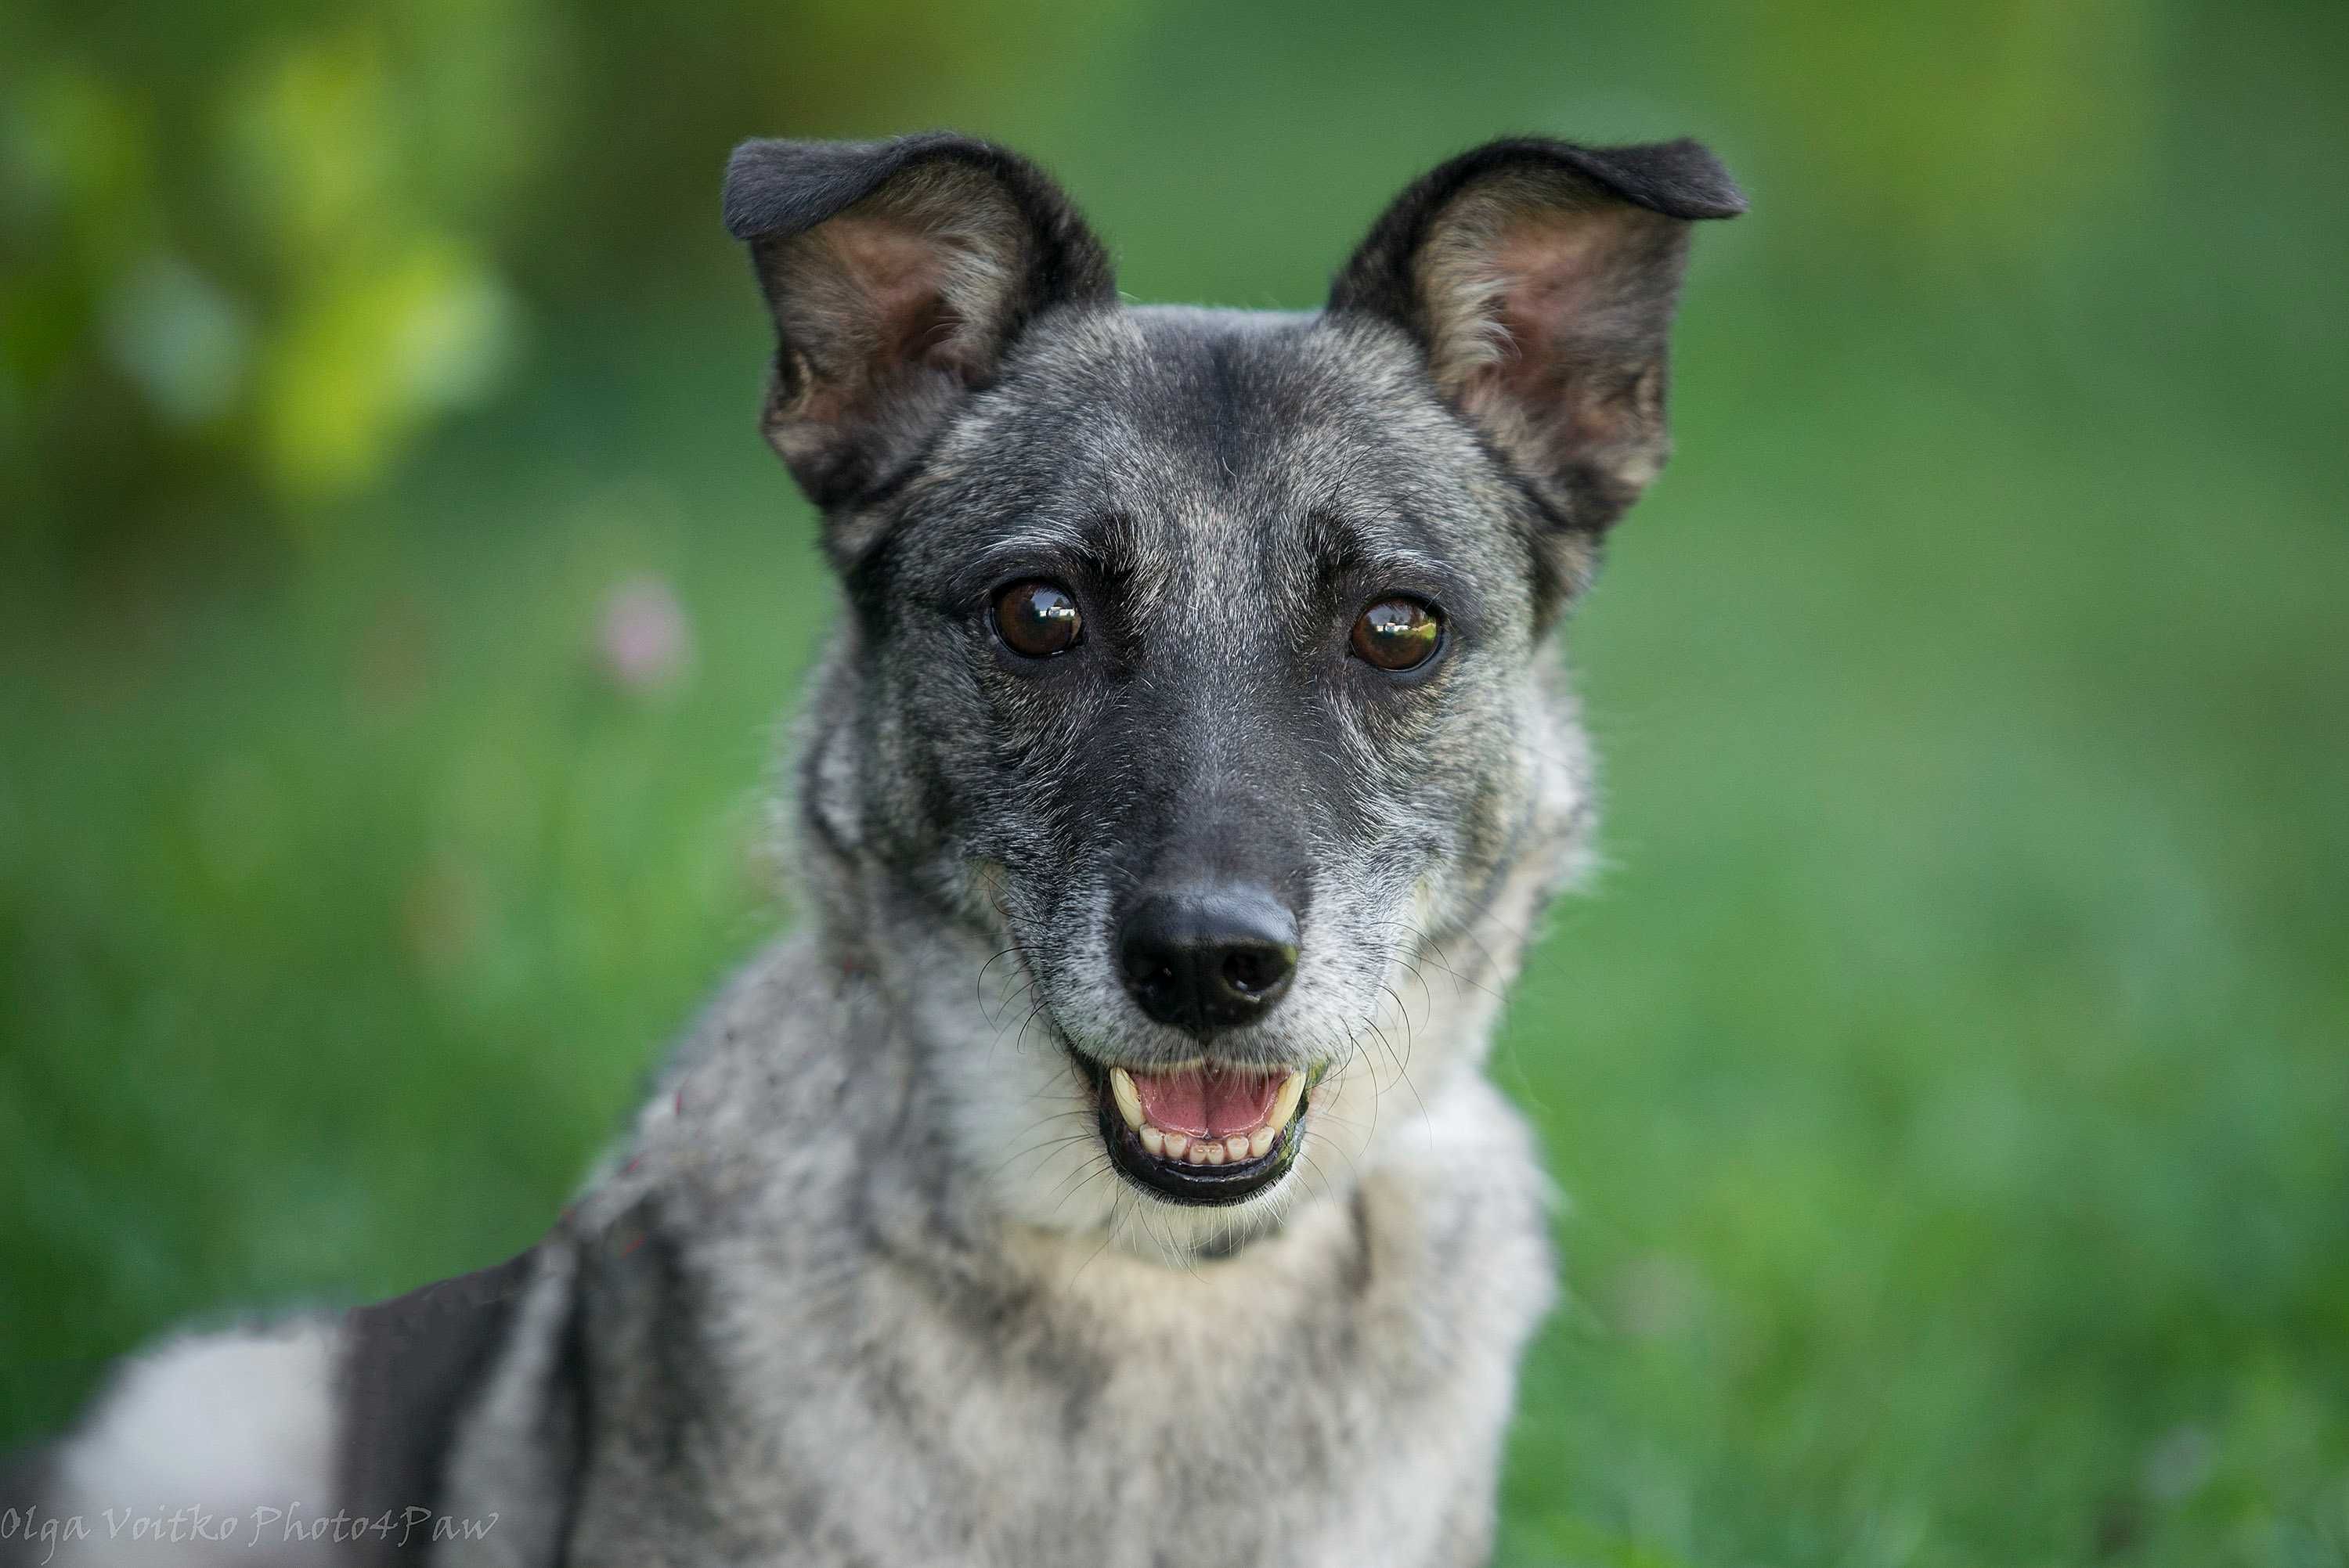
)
(1205, 1102)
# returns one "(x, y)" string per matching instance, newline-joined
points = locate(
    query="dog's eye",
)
(1036, 618)
(1397, 634)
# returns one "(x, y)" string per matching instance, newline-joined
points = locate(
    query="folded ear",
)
(1539, 277)
(898, 272)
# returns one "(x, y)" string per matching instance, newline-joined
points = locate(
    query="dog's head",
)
(1191, 707)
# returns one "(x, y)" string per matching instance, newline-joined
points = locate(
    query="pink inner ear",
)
(1568, 369)
(900, 276)
(1558, 275)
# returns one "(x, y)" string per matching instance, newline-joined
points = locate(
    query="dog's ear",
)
(899, 274)
(1539, 279)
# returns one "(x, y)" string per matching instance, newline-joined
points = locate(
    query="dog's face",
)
(1194, 673)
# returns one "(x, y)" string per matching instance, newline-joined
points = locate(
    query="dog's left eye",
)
(1398, 633)
(1036, 618)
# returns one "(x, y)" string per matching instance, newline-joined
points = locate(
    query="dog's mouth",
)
(1204, 1133)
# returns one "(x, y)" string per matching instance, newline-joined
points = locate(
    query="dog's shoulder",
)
(717, 1229)
(760, 1104)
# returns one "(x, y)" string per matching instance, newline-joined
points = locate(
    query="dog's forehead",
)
(1222, 436)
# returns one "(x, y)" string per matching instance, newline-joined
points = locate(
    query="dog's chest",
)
(1298, 1427)
(1339, 1407)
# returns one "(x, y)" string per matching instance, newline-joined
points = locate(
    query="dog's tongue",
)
(1207, 1102)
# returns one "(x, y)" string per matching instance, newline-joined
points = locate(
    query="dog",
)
(1107, 1173)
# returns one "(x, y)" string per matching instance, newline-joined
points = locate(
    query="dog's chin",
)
(1201, 1135)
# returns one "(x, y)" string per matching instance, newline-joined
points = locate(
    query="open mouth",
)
(1202, 1133)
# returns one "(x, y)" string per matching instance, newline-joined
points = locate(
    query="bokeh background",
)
(1950, 1072)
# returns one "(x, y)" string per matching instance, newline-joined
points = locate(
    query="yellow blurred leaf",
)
(370, 350)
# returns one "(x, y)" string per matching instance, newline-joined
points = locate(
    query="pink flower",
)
(644, 640)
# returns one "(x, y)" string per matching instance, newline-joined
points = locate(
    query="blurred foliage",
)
(1949, 1072)
(268, 250)
(248, 254)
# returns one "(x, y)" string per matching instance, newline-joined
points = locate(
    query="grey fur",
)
(862, 1286)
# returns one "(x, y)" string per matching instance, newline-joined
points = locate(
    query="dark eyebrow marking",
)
(1342, 545)
(1107, 546)
(1034, 539)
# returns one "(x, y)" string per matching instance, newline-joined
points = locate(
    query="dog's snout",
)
(1208, 958)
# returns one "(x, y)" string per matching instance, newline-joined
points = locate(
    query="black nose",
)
(1208, 958)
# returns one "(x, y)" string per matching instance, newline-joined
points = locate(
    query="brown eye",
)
(1397, 634)
(1036, 618)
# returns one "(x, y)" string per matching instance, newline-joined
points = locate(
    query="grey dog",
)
(1107, 1173)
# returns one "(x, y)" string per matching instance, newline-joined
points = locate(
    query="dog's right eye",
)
(1036, 619)
(1398, 635)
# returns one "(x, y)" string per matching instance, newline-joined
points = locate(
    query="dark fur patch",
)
(410, 1368)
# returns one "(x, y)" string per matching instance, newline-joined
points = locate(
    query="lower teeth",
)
(1184, 1149)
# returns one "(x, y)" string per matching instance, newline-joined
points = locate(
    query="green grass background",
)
(1949, 1072)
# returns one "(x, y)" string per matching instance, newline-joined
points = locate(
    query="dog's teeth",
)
(1284, 1104)
(1229, 1149)
(1129, 1102)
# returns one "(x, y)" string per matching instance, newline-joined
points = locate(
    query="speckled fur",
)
(862, 1286)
